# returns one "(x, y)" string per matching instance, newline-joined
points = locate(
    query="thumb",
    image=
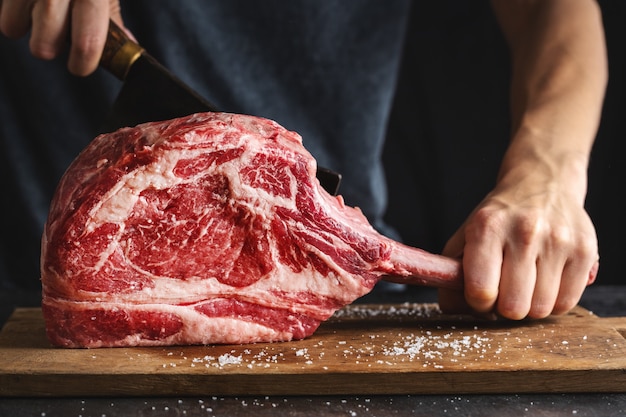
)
(453, 301)
(116, 16)
(454, 246)
(116, 12)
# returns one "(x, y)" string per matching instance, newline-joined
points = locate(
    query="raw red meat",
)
(208, 229)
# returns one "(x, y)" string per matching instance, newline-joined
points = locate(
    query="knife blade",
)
(150, 92)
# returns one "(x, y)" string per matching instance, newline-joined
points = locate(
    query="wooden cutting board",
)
(363, 349)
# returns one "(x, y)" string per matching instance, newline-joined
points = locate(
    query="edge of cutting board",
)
(326, 364)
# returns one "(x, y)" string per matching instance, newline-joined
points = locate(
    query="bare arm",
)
(50, 23)
(529, 247)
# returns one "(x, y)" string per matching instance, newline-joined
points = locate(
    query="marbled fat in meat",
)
(210, 228)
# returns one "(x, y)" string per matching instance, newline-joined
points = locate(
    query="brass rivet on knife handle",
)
(120, 52)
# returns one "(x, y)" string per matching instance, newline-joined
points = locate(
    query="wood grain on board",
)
(363, 349)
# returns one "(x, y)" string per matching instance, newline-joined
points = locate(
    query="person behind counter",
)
(527, 247)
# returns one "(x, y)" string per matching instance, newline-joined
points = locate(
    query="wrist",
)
(540, 162)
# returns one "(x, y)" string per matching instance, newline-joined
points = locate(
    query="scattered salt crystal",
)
(229, 359)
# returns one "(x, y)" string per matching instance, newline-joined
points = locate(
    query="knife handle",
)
(120, 52)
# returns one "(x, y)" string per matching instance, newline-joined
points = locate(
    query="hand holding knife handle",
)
(120, 52)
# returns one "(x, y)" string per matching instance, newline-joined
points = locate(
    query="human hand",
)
(529, 249)
(84, 22)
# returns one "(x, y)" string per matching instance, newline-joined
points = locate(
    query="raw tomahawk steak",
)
(210, 228)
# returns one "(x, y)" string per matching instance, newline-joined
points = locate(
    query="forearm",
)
(529, 248)
(559, 75)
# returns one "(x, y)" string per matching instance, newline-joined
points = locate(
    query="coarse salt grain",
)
(228, 359)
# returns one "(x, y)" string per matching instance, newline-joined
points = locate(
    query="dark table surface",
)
(605, 301)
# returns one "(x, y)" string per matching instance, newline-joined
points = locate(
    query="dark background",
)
(450, 126)
(447, 132)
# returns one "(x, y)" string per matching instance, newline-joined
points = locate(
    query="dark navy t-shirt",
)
(326, 69)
